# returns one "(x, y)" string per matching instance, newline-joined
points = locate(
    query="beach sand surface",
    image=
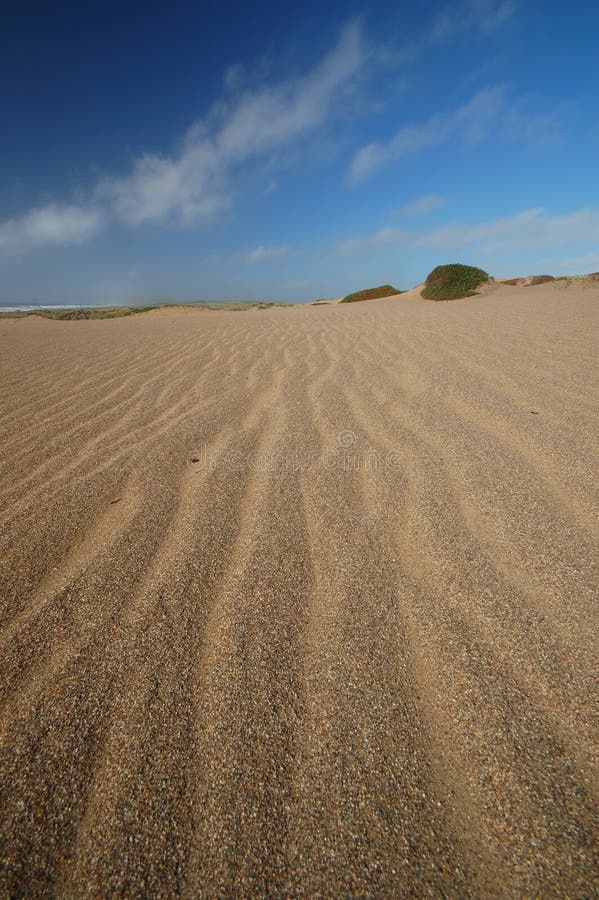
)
(301, 601)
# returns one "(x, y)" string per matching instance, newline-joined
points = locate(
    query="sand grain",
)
(349, 648)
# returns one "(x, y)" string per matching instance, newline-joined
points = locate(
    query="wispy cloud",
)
(424, 204)
(482, 15)
(479, 17)
(186, 189)
(261, 123)
(525, 123)
(531, 229)
(381, 238)
(234, 77)
(51, 224)
(471, 122)
(522, 234)
(197, 183)
(265, 254)
(574, 264)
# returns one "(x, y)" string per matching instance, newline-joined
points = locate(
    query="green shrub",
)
(452, 282)
(384, 290)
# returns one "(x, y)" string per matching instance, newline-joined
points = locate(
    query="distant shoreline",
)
(93, 311)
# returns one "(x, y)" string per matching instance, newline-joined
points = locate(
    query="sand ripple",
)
(301, 601)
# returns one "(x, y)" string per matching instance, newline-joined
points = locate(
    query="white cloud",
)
(196, 183)
(525, 124)
(480, 15)
(585, 263)
(267, 119)
(491, 15)
(265, 254)
(528, 230)
(424, 204)
(189, 188)
(381, 238)
(51, 224)
(471, 122)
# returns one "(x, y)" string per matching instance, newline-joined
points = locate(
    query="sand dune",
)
(301, 601)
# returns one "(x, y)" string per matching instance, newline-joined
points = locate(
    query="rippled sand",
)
(349, 648)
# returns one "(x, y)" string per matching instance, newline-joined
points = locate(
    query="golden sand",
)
(301, 600)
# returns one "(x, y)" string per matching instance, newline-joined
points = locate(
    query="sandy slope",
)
(350, 649)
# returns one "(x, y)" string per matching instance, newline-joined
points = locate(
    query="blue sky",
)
(199, 150)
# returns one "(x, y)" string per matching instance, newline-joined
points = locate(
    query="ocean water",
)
(38, 307)
(24, 307)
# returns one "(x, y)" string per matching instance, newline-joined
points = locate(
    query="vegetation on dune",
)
(263, 304)
(453, 281)
(63, 315)
(119, 312)
(540, 279)
(567, 281)
(530, 280)
(384, 290)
